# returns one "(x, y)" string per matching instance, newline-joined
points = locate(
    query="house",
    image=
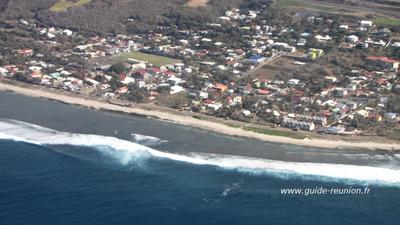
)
(314, 53)
(176, 89)
(331, 130)
(125, 79)
(246, 113)
(35, 68)
(50, 35)
(293, 81)
(141, 75)
(122, 90)
(136, 64)
(67, 32)
(319, 120)
(362, 112)
(214, 106)
(92, 82)
(112, 51)
(27, 52)
(256, 59)
(339, 92)
(366, 23)
(383, 62)
(295, 124)
(321, 38)
(36, 74)
(174, 80)
(3, 72)
(352, 39)
(301, 42)
(202, 95)
(262, 92)
(330, 79)
(390, 116)
(220, 87)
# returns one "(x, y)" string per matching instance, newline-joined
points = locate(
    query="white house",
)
(176, 89)
(3, 72)
(92, 82)
(246, 113)
(352, 39)
(390, 116)
(366, 23)
(35, 68)
(67, 32)
(293, 81)
(321, 38)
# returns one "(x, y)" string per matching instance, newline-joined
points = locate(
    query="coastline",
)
(197, 123)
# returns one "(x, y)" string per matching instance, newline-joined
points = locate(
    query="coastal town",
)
(317, 73)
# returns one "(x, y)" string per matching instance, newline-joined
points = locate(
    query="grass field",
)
(305, 5)
(64, 5)
(275, 132)
(387, 21)
(153, 59)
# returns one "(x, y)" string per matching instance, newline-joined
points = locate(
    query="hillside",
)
(110, 15)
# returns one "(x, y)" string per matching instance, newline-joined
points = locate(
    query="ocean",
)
(61, 164)
(53, 177)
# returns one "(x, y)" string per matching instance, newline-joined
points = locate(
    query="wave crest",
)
(147, 140)
(126, 152)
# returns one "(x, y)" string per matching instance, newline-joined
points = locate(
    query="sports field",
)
(153, 59)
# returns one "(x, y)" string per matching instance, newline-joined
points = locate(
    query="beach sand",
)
(198, 123)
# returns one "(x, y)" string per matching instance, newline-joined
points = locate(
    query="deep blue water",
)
(78, 185)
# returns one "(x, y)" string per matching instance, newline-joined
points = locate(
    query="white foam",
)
(127, 152)
(147, 140)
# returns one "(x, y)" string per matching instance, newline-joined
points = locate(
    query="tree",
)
(118, 68)
(175, 101)
(136, 94)
(114, 83)
(394, 104)
(20, 76)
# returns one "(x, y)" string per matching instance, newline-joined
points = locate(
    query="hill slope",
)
(110, 15)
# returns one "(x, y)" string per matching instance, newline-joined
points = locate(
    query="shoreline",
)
(185, 120)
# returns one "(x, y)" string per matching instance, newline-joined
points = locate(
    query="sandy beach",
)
(198, 123)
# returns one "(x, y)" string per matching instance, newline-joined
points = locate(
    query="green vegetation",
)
(290, 3)
(394, 134)
(153, 59)
(64, 5)
(234, 125)
(118, 68)
(387, 21)
(306, 5)
(296, 135)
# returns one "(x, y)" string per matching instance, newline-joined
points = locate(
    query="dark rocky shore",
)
(181, 139)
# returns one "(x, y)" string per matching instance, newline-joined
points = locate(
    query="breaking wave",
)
(147, 140)
(126, 152)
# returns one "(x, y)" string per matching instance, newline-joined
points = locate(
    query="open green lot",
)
(153, 59)
(387, 21)
(64, 5)
(305, 5)
(276, 132)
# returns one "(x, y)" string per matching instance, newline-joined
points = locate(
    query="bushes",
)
(106, 16)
